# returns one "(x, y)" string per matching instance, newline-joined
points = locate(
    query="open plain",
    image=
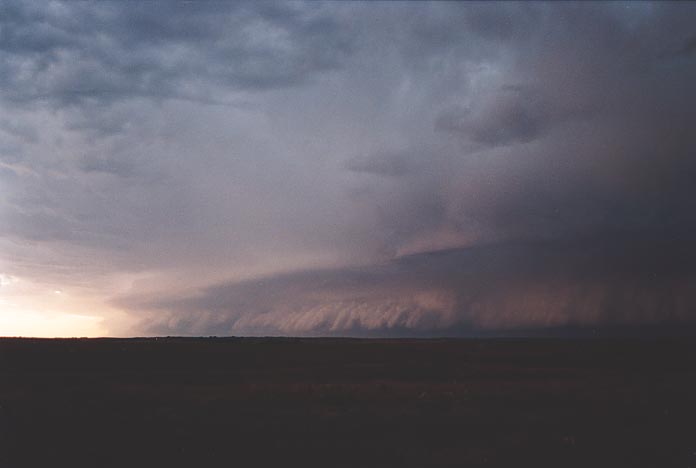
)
(347, 402)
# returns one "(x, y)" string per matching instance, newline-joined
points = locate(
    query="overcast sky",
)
(224, 168)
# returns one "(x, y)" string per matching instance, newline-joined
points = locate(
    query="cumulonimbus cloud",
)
(495, 288)
(549, 147)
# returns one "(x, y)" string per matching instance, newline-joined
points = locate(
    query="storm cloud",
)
(351, 168)
(72, 54)
(523, 285)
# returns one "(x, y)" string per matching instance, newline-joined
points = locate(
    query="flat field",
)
(245, 402)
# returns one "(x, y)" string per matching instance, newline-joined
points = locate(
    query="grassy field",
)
(347, 403)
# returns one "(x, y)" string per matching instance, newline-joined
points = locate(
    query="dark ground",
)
(347, 403)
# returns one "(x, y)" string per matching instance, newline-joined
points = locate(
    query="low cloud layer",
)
(588, 283)
(349, 168)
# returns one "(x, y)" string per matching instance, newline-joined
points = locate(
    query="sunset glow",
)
(16, 321)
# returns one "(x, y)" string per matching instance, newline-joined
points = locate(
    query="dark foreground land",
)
(347, 403)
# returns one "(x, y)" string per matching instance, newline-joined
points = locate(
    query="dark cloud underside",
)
(608, 282)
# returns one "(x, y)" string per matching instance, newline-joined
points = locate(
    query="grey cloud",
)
(580, 132)
(510, 114)
(11, 153)
(688, 48)
(71, 53)
(500, 123)
(555, 141)
(108, 165)
(529, 285)
(389, 163)
(19, 130)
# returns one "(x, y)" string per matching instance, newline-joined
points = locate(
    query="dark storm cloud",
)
(583, 129)
(72, 53)
(512, 114)
(171, 146)
(508, 124)
(597, 282)
(687, 48)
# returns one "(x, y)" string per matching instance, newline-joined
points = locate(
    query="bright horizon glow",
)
(30, 323)
(28, 309)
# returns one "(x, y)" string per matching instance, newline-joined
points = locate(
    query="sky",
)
(346, 169)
